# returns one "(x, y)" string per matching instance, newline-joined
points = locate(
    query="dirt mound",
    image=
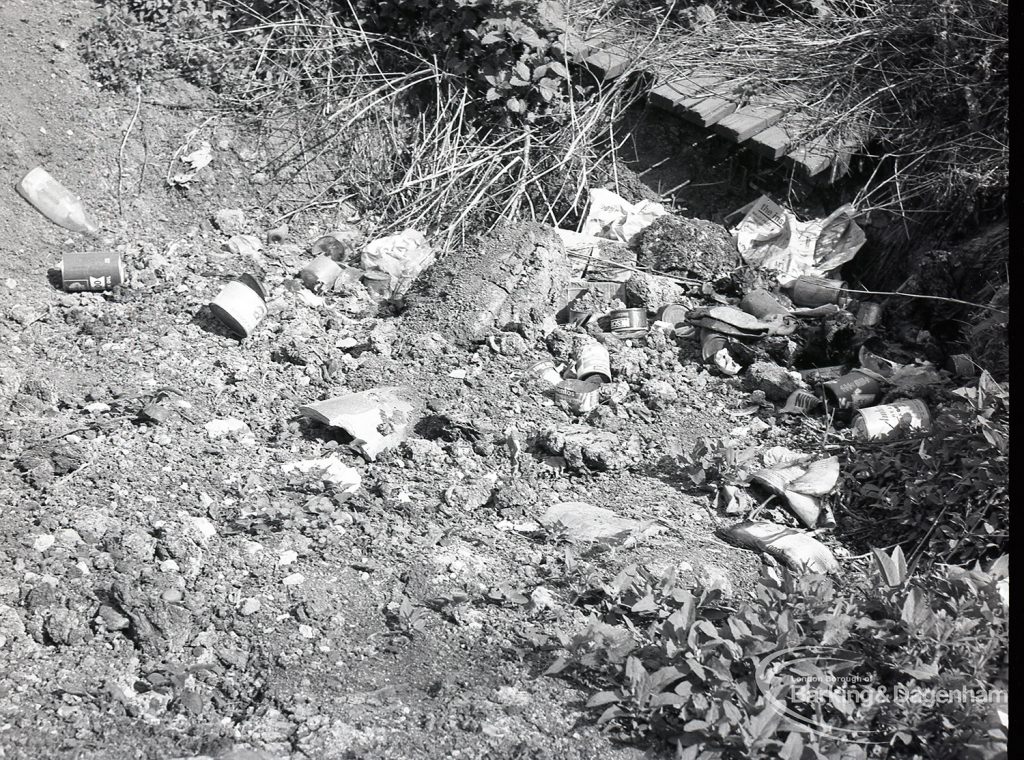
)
(694, 247)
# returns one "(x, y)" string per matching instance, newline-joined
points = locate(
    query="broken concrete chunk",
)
(587, 448)
(794, 548)
(517, 275)
(585, 522)
(377, 419)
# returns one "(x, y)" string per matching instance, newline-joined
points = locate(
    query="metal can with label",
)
(816, 291)
(853, 390)
(593, 363)
(240, 305)
(887, 421)
(91, 271)
(577, 395)
(321, 273)
(544, 370)
(627, 320)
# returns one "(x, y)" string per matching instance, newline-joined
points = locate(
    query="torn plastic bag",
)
(771, 237)
(613, 217)
(794, 548)
(802, 485)
(403, 256)
(377, 419)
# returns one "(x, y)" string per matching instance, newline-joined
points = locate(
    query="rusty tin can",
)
(869, 314)
(822, 374)
(577, 395)
(240, 305)
(544, 370)
(321, 273)
(593, 363)
(91, 271)
(853, 390)
(761, 304)
(378, 283)
(816, 291)
(627, 320)
(711, 343)
(961, 365)
(882, 422)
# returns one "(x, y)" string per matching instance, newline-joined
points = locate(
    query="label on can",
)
(576, 395)
(627, 319)
(592, 361)
(881, 422)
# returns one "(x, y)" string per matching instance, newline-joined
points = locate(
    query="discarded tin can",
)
(628, 320)
(672, 313)
(378, 283)
(869, 314)
(822, 374)
(961, 365)
(91, 271)
(711, 343)
(321, 273)
(761, 304)
(800, 401)
(278, 234)
(816, 291)
(881, 422)
(593, 363)
(240, 305)
(853, 390)
(335, 245)
(577, 395)
(545, 370)
(580, 317)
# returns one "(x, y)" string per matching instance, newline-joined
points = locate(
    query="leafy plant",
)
(685, 667)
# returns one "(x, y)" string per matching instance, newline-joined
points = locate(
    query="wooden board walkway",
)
(768, 129)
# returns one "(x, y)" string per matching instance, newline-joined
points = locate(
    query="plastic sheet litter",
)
(794, 548)
(403, 256)
(770, 236)
(377, 419)
(613, 217)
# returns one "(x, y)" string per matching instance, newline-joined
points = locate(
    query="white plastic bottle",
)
(55, 202)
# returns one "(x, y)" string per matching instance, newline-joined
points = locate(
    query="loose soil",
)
(168, 594)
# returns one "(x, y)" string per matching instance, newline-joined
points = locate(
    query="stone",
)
(776, 382)
(230, 221)
(585, 448)
(471, 494)
(249, 606)
(585, 522)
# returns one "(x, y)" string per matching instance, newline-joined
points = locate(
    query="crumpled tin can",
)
(577, 395)
(961, 365)
(761, 304)
(544, 370)
(321, 273)
(593, 363)
(883, 422)
(854, 389)
(91, 271)
(240, 305)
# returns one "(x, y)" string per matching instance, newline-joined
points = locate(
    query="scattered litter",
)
(330, 470)
(770, 237)
(321, 273)
(244, 245)
(800, 402)
(869, 314)
(593, 363)
(577, 395)
(882, 423)
(613, 217)
(761, 304)
(962, 366)
(241, 305)
(777, 383)
(197, 160)
(801, 485)
(861, 387)
(585, 522)
(91, 271)
(546, 371)
(377, 419)
(816, 292)
(794, 548)
(403, 256)
(338, 244)
(278, 235)
(55, 202)
(628, 322)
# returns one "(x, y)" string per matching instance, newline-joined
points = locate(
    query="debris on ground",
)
(585, 522)
(55, 202)
(613, 217)
(794, 548)
(377, 419)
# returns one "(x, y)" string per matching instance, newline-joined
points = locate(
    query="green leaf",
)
(515, 105)
(793, 747)
(894, 567)
(557, 666)
(603, 698)
(612, 712)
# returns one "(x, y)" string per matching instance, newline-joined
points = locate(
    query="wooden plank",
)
(697, 86)
(812, 158)
(773, 142)
(606, 65)
(708, 111)
(677, 97)
(747, 121)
